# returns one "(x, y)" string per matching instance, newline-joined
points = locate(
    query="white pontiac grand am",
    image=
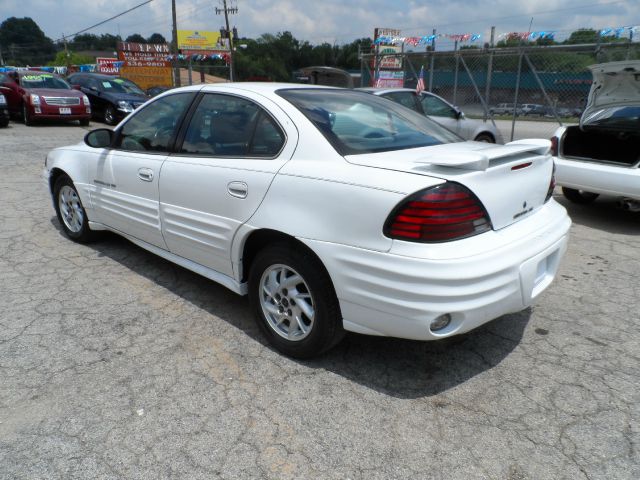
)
(332, 209)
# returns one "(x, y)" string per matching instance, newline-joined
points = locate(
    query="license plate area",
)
(65, 111)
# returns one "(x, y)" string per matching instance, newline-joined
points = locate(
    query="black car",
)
(4, 111)
(112, 98)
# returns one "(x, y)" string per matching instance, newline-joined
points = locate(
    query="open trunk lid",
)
(510, 180)
(615, 84)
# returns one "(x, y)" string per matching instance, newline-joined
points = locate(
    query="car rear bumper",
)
(598, 177)
(396, 295)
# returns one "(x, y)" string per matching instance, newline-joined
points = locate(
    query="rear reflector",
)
(438, 214)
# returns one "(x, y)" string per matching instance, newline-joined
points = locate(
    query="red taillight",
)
(552, 183)
(554, 146)
(438, 214)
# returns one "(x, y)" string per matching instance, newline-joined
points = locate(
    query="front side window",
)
(229, 126)
(435, 107)
(153, 127)
(358, 122)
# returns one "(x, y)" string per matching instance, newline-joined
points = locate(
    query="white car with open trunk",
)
(332, 209)
(602, 154)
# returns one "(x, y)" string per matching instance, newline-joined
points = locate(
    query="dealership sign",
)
(144, 54)
(390, 79)
(110, 66)
(146, 63)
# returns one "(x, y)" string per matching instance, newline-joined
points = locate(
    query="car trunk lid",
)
(615, 84)
(510, 180)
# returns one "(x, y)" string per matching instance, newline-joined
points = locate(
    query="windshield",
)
(615, 117)
(43, 80)
(120, 85)
(357, 122)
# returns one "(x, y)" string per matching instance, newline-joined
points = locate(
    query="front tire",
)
(294, 301)
(70, 212)
(110, 115)
(579, 196)
(26, 118)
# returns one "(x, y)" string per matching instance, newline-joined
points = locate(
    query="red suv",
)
(38, 95)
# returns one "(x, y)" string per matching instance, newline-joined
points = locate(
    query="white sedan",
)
(332, 209)
(602, 154)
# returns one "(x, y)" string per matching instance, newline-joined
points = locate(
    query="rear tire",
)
(485, 137)
(84, 122)
(70, 211)
(579, 196)
(294, 301)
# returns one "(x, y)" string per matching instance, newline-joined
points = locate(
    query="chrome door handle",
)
(238, 189)
(145, 174)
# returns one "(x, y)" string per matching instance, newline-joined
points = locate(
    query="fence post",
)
(487, 90)
(455, 75)
(431, 63)
(515, 100)
(190, 72)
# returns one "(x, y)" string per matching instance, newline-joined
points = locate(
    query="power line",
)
(105, 21)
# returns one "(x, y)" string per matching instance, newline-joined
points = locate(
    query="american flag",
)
(420, 86)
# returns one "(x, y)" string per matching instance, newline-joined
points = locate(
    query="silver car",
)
(441, 111)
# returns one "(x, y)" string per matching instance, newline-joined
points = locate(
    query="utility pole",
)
(174, 45)
(228, 10)
(66, 53)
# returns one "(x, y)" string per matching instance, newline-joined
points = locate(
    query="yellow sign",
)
(199, 40)
(147, 77)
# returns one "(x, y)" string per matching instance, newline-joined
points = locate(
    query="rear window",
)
(357, 122)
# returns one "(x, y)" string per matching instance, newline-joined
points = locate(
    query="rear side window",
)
(152, 128)
(404, 98)
(230, 126)
(358, 122)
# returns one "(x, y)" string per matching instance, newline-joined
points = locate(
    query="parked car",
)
(4, 111)
(332, 209)
(536, 110)
(504, 109)
(441, 111)
(35, 95)
(154, 91)
(602, 154)
(112, 98)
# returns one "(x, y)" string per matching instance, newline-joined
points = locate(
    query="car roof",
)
(92, 74)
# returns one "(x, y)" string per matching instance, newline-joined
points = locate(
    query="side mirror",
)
(99, 138)
(458, 113)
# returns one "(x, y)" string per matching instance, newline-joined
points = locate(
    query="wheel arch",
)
(259, 239)
(487, 133)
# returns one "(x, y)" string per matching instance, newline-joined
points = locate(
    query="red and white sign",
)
(108, 65)
(144, 54)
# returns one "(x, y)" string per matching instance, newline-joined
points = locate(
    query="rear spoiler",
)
(481, 159)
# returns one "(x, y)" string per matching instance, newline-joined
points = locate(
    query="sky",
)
(333, 21)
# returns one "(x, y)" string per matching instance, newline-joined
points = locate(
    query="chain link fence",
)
(525, 92)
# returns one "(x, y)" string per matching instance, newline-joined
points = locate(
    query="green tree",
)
(156, 38)
(23, 43)
(136, 38)
(63, 59)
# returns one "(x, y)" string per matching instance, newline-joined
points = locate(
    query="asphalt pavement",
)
(116, 364)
